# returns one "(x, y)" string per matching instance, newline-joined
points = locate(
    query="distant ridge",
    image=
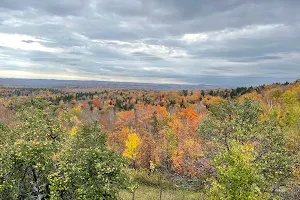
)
(54, 83)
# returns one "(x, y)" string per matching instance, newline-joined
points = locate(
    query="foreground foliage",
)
(251, 157)
(43, 161)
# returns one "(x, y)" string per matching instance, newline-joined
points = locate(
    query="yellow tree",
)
(132, 143)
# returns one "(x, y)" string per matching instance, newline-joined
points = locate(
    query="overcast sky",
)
(157, 41)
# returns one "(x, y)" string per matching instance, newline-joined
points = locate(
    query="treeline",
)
(127, 99)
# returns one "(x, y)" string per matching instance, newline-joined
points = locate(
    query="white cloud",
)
(139, 46)
(25, 42)
(198, 37)
(252, 31)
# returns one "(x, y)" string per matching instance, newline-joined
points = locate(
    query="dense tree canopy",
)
(241, 143)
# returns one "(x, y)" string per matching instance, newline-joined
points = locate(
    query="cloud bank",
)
(232, 42)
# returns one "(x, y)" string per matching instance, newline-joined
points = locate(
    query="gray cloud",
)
(171, 41)
(62, 7)
(145, 56)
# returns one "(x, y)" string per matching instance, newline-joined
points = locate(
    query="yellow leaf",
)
(73, 131)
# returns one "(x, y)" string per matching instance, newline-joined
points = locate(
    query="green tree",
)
(238, 175)
(26, 156)
(273, 156)
(233, 124)
(86, 169)
(40, 161)
(232, 120)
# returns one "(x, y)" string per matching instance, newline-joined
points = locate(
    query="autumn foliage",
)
(208, 135)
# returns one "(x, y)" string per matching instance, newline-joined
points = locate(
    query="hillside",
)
(116, 143)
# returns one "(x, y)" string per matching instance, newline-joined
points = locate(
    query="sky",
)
(225, 42)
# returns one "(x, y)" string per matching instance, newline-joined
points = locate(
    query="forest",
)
(241, 143)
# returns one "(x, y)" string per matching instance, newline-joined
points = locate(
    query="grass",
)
(149, 188)
(152, 193)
